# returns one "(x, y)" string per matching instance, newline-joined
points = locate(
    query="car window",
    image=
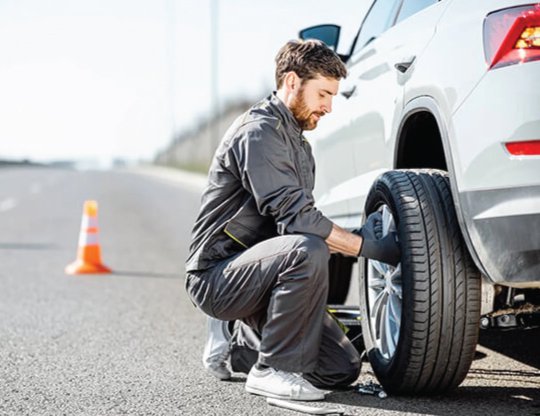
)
(380, 17)
(410, 7)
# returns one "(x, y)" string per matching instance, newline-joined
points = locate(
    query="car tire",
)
(340, 270)
(423, 341)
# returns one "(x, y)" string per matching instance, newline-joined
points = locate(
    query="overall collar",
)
(285, 115)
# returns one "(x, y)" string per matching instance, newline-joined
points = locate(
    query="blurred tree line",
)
(193, 149)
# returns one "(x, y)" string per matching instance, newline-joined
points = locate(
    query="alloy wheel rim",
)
(385, 296)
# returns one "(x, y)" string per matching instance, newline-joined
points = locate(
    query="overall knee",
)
(316, 254)
(307, 260)
(316, 248)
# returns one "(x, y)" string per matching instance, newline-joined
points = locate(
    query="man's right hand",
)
(385, 249)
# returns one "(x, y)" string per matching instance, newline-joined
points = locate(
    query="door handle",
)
(404, 66)
(348, 94)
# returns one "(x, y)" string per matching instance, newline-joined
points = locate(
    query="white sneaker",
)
(216, 350)
(281, 385)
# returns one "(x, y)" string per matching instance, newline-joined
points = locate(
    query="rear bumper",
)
(504, 228)
(499, 194)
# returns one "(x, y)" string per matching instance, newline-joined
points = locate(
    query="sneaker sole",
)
(260, 392)
(218, 375)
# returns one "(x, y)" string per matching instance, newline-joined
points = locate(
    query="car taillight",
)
(512, 36)
(528, 148)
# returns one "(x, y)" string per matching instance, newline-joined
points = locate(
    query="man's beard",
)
(304, 117)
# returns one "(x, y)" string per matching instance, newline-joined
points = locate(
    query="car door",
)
(335, 142)
(379, 70)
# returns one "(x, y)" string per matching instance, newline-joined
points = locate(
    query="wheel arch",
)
(423, 115)
(420, 118)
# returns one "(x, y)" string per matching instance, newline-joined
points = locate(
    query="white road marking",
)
(7, 204)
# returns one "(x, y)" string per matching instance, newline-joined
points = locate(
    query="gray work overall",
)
(258, 252)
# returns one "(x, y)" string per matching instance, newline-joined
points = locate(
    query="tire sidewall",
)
(385, 369)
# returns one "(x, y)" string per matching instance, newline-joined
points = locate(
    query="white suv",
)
(438, 126)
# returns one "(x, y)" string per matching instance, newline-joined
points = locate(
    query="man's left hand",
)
(374, 246)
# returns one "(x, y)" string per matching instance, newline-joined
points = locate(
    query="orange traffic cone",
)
(89, 253)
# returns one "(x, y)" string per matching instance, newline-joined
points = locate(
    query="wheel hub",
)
(385, 297)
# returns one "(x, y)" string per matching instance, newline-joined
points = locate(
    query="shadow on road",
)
(521, 346)
(27, 246)
(466, 400)
(503, 399)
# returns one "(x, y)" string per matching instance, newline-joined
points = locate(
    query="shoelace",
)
(295, 379)
(224, 355)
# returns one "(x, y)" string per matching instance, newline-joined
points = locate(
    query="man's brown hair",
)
(308, 58)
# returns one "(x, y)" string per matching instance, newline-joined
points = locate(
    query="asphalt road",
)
(130, 342)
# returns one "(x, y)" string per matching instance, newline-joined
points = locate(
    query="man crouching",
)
(260, 248)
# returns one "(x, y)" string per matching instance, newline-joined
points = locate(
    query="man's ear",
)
(292, 81)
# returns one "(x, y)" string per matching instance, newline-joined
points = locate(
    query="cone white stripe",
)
(88, 239)
(89, 222)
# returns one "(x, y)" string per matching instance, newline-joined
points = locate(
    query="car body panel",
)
(339, 149)
(477, 110)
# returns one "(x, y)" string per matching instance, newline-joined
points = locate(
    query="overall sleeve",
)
(266, 165)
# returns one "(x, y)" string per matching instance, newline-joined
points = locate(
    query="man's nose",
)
(327, 107)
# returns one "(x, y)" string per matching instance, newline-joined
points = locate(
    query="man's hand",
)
(385, 249)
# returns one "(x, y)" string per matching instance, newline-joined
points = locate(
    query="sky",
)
(105, 79)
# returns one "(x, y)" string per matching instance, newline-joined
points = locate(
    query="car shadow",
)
(466, 400)
(500, 397)
(520, 345)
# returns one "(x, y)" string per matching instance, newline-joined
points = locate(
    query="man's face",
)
(313, 100)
